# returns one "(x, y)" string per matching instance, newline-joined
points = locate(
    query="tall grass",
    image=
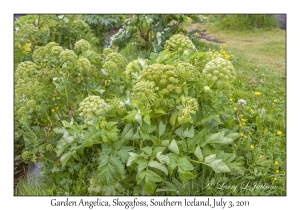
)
(248, 21)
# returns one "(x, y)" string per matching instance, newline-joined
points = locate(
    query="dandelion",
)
(257, 93)
(279, 132)
(277, 171)
(276, 162)
(275, 101)
(230, 99)
(251, 146)
(260, 156)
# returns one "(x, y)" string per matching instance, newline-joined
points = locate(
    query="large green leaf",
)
(174, 147)
(123, 153)
(147, 150)
(131, 158)
(150, 179)
(184, 164)
(163, 159)
(198, 153)
(157, 165)
(162, 128)
(173, 118)
(65, 158)
(218, 166)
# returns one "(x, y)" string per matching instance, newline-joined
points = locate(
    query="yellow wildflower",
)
(275, 179)
(276, 162)
(277, 171)
(230, 99)
(235, 108)
(251, 110)
(260, 156)
(234, 145)
(52, 110)
(279, 132)
(251, 146)
(275, 101)
(257, 93)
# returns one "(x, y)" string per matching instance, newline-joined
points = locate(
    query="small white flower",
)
(242, 101)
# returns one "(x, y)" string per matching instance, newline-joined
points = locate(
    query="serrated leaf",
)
(218, 166)
(147, 150)
(212, 118)
(173, 118)
(163, 159)
(118, 164)
(165, 142)
(179, 132)
(198, 153)
(142, 164)
(185, 175)
(162, 128)
(66, 124)
(123, 153)
(61, 146)
(60, 130)
(189, 133)
(128, 135)
(68, 139)
(222, 140)
(147, 119)
(174, 147)
(232, 135)
(131, 158)
(210, 158)
(184, 164)
(157, 165)
(89, 142)
(65, 158)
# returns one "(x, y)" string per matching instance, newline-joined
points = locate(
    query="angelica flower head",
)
(118, 59)
(187, 106)
(92, 106)
(26, 70)
(187, 71)
(68, 56)
(107, 51)
(82, 45)
(219, 73)
(179, 43)
(145, 92)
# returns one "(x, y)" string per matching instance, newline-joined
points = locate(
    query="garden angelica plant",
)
(147, 126)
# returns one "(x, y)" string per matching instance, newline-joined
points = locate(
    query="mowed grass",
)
(266, 48)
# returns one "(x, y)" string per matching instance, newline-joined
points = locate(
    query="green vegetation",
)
(187, 117)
